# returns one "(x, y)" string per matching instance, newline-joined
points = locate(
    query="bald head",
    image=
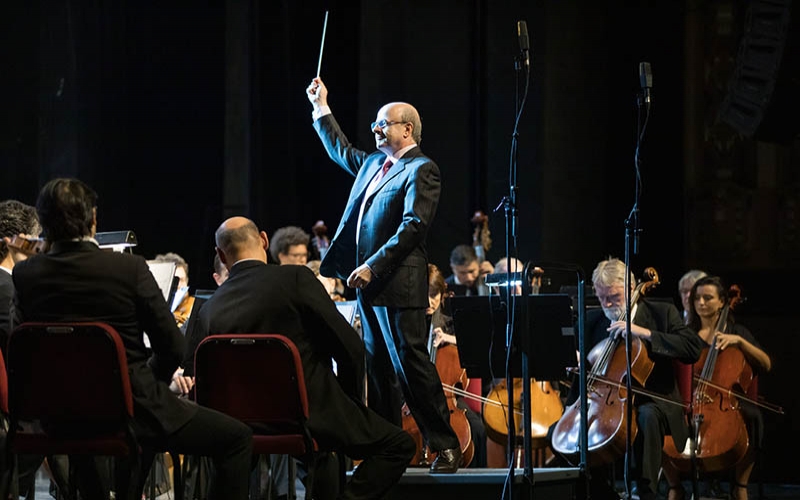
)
(403, 127)
(239, 238)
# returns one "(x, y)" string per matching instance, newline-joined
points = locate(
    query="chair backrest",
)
(256, 378)
(69, 374)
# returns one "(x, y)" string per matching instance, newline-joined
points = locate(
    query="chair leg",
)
(292, 492)
(177, 483)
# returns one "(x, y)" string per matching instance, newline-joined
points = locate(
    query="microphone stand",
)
(632, 231)
(509, 203)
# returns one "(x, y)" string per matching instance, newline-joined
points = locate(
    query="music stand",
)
(164, 273)
(200, 298)
(479, 325)
(349, 309)
(547, 335)
(550, 339)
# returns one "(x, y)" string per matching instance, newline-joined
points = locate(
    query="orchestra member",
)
(76, 281)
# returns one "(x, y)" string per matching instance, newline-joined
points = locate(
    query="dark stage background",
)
(183, 113)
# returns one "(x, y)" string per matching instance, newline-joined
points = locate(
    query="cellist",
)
(707, 298)
(440, 327)
(665, 337)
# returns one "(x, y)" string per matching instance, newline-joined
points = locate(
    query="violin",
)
(184, 309)
(452, 375)
(607, 396)
(26, 245)
(721, 438)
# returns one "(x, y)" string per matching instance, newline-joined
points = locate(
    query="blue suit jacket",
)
(394, 225)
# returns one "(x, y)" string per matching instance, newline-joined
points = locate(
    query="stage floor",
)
(550, 483)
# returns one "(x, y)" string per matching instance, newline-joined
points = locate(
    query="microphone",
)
(524, 44)
(646, 81)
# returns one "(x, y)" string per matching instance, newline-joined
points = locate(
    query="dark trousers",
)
(385, 451)
(227, 441)
(653, 426)
(395, 341)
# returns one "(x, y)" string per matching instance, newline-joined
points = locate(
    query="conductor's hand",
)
(360, 277)
(317, 93)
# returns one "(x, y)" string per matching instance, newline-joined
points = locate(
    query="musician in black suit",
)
(76, 281)
(379, 249)
(289, 300)
(16, 218)
(665, 336)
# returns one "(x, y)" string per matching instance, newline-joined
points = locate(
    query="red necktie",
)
(386, 166)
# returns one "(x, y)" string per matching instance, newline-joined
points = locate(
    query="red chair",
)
(69, 394)
(258, 379)
(5, 459)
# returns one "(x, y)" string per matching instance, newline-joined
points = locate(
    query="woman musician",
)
(707, 299)
(440, 327)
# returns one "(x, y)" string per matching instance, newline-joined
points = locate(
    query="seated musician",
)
(289, 300)
(665, 337)
(183, 301)
(16, 219)
(468, 272)
(76, 281)
(440, 327)
(708, 296)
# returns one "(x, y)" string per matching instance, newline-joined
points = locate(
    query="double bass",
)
(721, 438)
(607, 397)
(452, 375)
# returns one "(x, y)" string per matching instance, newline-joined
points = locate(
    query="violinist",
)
(182, 303)
(18, 219)
(708, 296)
(665, 337)
(290, 246)
(440, 327)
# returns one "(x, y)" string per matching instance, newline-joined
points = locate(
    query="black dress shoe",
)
(447, 461)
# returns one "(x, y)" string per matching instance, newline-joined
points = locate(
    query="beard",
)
(613, 313)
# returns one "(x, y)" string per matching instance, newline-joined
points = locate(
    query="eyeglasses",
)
(382, 124)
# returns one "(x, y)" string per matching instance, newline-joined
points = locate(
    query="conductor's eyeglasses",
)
(382, 124)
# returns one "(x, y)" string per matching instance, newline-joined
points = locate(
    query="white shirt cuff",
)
(320, 112)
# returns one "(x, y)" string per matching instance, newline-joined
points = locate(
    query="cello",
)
(452, 375)
(607, 396)
(546, 404)
(721, 438)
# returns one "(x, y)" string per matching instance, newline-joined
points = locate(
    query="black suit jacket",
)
(394, 225)
(76, 281)
(290, 300)
(478, 288)
(671, 339)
